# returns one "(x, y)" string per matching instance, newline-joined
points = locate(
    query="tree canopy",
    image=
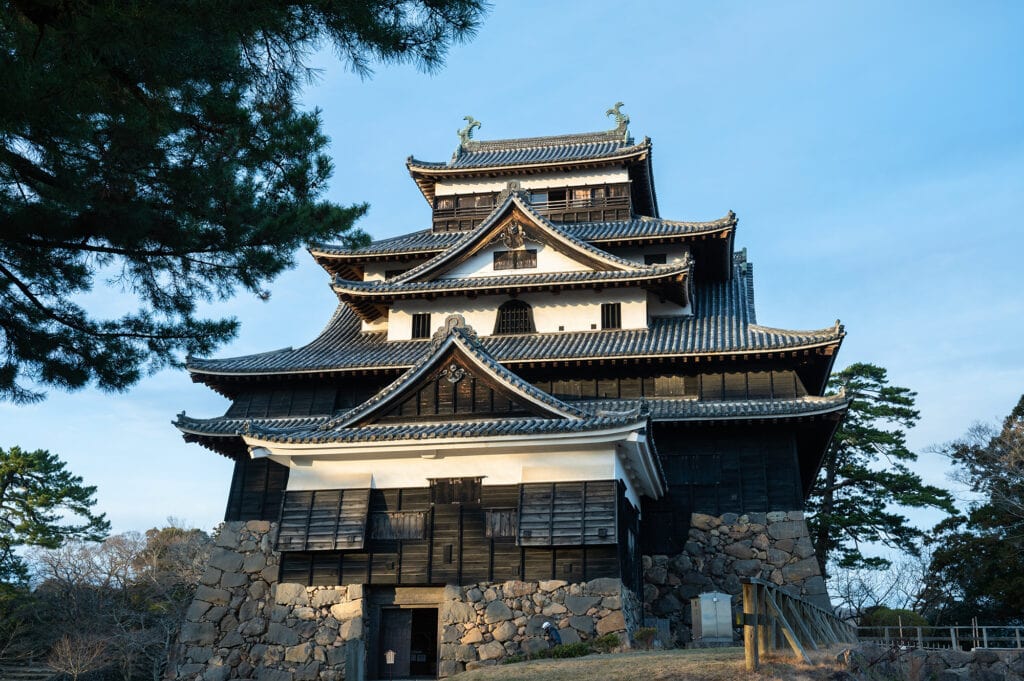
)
(157, 151)
(866, 474)
(41, 504)
(977, 567)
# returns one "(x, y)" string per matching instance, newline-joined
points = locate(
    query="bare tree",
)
(76, 655)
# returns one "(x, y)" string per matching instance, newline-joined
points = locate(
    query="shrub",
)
(607, 643)
(570, 650)
(644, 636)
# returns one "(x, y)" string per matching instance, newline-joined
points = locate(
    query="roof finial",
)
(466, 133)
(621, 119)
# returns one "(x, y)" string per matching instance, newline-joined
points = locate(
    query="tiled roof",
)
(514, 200)
(603, 413)
(723, 322)
(683, 409)
(455, 334)
(535, 150)
(428, 242)
(394, 287)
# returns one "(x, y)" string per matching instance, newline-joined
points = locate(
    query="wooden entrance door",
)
(396, 635)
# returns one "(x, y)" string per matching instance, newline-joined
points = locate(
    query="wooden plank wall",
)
(456, 548)
(256, 490)
(716, 470)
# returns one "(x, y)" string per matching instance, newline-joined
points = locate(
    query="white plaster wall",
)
(572, 310)
(379, 325)
(502, 468)
(656, 307)
(576, 178)
(482, 264)
(674, 253)
(374, 271)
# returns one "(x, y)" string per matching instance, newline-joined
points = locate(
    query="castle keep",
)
(552, 405)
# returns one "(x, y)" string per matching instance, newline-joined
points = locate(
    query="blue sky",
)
(874, 152)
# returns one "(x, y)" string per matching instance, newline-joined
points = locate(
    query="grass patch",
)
(709, 664)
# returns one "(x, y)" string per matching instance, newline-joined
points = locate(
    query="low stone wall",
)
(243, 624)
(484, 623)
(873, 661)
(720, 550)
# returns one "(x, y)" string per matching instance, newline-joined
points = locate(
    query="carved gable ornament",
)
(514, 235)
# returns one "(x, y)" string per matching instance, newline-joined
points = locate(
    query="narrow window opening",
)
(514, 317)
(421, 325)
(611, 315)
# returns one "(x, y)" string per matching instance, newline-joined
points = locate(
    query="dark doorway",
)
(412, 634)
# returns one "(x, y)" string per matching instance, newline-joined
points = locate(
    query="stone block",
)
(504, 631)
(231, 580)
(291, 594)
(740, 549)
(453, 612)
(225, 559)
(196, 610)
(569, 635)
(281, 635)
(200, 653)
(200, 633)
(613, 622)
(551, 584)
(554, 608)
(212, 595)
(228, 535)
(787, 529)
(211, 577)
(351, 629)
(775, 516)
(304, 613)
(747, 568)
(465, 653)
(535, 625)
(808, 567)
(309, 672)
(299, 653)
(474, 595)
(253, 563)
(446, 668)
(702, 521)
(815, 585)
(347, 610)
(612, 602)
(451, 634)
(480, 664)
(474, 635)
(452, 593)
(497, 611)
(579, 605)
(269, 574)
(533, 645)
(803, 547)
(517, 589)
(604, 586)
(582, 624)
(668, 605)
(491, 651)
(217, 673)
(324, 597)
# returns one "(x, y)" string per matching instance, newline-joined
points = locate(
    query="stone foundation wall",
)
(722, 549)
(484, 623)
(873, 661)
(243, 624)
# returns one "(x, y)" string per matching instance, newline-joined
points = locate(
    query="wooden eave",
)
(821, 355)
(426, 177)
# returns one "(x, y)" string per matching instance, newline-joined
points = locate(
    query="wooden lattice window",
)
(611, 315)
(421, 325)
(392, 525)
(515, 316)
(515, 260)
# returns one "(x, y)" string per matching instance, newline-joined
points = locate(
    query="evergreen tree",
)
(977, 567)
(41, 504)
(866, 474)
(157, 149)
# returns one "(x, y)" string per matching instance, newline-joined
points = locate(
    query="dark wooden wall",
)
(707, 386)
(461, 546)
(715, 470)
(257, 487)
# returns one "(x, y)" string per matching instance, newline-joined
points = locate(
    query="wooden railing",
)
(773, 618)
(948, 638)
(560, 206)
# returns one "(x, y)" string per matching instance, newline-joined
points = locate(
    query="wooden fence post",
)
(750, 626)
